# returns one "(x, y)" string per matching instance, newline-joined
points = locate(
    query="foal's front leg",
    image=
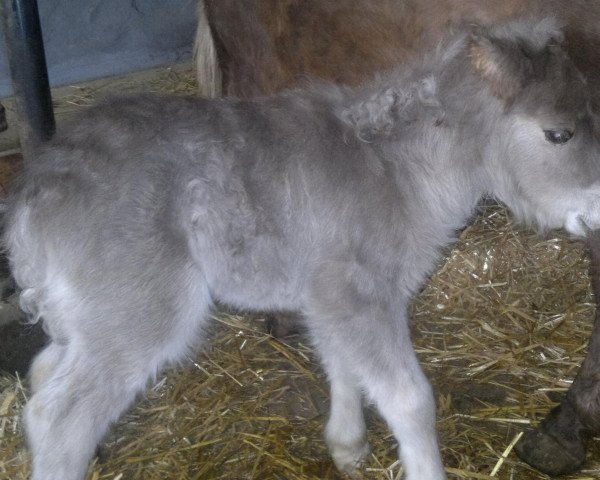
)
(368, 349)
(346, 432)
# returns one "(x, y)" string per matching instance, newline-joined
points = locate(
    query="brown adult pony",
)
(254, 47)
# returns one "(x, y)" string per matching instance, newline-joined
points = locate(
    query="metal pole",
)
(25, 48)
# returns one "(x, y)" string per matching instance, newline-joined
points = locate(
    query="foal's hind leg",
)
(88, 380)
(366, 343)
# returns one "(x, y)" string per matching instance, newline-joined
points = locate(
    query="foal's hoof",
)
(555, 447)
(349, 460)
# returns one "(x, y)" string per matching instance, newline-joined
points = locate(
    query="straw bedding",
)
(500, 329)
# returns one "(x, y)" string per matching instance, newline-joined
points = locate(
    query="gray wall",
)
(87, 39)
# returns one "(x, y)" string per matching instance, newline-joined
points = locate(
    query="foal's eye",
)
(558, 136)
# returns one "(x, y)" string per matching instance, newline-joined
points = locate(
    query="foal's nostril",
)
(28, 303)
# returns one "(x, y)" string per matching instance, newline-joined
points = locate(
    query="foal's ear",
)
(504, 56)
(504, 66)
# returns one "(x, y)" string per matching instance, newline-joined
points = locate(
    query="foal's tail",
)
(33, 225)
(208, 72)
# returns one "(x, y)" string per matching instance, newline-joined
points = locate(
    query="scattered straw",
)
(505, 454)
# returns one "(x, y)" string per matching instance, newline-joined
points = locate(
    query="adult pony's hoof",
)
(555, 447)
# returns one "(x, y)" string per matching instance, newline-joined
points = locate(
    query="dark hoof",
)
(551, 449)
